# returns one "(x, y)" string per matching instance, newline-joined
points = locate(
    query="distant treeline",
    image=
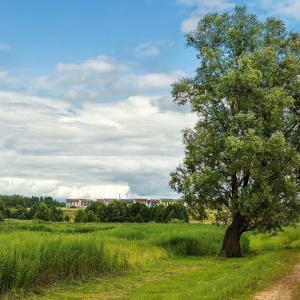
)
(118, 211)
(28, 208)
(15, 201)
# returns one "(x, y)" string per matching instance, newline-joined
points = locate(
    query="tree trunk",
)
(231, 243)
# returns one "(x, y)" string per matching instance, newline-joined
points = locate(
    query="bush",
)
(43, 213)
(79, 217)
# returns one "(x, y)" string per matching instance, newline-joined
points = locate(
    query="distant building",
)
(106, 200)
(147, 202)
(128, 201)
(167, 202)
(140, 200)
(83, 203)
(78, 203)
(153, 202)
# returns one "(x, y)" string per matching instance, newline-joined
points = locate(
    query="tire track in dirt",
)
(283, 289)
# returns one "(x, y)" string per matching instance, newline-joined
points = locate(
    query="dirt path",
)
(284, 289)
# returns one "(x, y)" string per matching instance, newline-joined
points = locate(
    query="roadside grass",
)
(289, 238)
(186, 277)
(135, 261)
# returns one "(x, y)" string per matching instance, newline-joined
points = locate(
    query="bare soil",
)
(285, 289)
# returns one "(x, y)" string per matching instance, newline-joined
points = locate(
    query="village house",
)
(147, 202)
(78, 203)
(166, 202)
(83, 203)
(153, 202)
(106, 200)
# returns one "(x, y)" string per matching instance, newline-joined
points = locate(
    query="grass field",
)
(136, 261)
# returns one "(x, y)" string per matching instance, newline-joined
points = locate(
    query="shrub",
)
(43, 213)
(79, 217)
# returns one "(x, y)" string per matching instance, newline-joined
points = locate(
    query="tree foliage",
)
(26, 208)
(118, 211)
(43, 213)
(1, 210)
(242, 156)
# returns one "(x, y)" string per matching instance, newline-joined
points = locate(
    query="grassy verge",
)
(135, 261)
(186, 277)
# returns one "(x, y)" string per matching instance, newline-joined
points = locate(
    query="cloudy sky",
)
(85, 97)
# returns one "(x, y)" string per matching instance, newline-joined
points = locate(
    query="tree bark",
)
(231, 243)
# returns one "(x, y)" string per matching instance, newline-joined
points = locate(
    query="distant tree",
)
(158, 214)
(117, 211)
(51, 202)
(242, 156)
(67, 218)
(33, 209)
(79, 217)
(2, 209)
(43, 213)
(140, 209)
(1, 205)
(6, 213)
(20, 213)
(90, 217)
(196, 211)
(15, 201)
(93, 207)
(138, 219)
(56, 214)
(102, 213)
(176, 211)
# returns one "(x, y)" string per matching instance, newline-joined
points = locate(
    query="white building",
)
(78, 203)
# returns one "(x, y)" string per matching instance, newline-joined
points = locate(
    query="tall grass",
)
(30, 259)
(289, 238)
(33, 259)
(37, 254)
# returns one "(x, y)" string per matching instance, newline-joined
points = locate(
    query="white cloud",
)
(7, 79)
(286, 9)
(52, 147)
(156, 80)
(102, 78)
(4, 47)
(202, 7)
(99, 64)
(125, 142)
(190, 24)
(146, 50)
(3, 75)
(150, 49)
(61, 190)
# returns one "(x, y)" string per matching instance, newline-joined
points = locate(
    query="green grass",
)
(153, 261)
(188, 277)
(289, 238)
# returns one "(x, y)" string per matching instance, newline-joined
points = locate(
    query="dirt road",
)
(285, 289)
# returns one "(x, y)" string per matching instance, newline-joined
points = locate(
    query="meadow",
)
(57, 260)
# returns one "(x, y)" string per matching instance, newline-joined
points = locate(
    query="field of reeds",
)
(34, 255)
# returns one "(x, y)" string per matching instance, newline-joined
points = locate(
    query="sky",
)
(85, 103)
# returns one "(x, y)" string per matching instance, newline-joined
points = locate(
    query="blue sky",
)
(43, 33)
(85, 97)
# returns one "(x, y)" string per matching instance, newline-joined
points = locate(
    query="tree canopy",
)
(118, 211)
(242, 157)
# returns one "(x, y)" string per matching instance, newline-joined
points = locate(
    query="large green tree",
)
(242, 156)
